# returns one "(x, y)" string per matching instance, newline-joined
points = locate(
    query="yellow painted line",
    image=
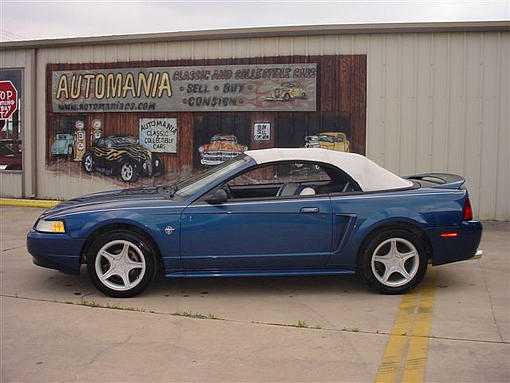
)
(406, 352)
(414, 369)
(28, 202)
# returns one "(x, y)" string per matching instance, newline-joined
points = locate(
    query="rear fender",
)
(348, 254)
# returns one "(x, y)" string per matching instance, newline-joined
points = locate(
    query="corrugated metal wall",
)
(435, 101)
(440, 102)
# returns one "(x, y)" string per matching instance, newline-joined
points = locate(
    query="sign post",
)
(8, 99)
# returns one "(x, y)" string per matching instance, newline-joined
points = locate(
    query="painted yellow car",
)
(286, 92)
(334, 141)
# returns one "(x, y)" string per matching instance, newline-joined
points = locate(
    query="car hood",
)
(111, 200)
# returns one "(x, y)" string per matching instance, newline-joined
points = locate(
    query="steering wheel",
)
(228, 190)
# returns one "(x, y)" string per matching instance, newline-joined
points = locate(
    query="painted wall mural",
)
(151, 123)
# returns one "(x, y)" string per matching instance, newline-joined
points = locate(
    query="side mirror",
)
(217, 197)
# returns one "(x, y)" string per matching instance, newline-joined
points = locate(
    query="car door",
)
(265, 234)
(289, 232)
(99, 151)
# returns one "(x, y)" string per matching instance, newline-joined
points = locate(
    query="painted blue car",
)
(256, 215)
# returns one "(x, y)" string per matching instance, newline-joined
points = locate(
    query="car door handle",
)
(309, 210)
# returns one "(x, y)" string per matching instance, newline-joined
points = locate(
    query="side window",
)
(286, 179)
(276, 174)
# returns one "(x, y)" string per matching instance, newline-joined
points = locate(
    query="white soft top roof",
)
(368, 175)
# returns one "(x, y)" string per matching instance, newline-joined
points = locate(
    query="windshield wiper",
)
(167, 191)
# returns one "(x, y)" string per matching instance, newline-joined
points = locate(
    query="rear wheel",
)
(128, 172)
(393, 261)
(121, 263)
(159, 166)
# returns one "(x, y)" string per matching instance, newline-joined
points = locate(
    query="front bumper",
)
(55, 251)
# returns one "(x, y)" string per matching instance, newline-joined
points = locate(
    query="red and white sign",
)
(8, 99)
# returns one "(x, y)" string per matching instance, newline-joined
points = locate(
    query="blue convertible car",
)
(265, 212)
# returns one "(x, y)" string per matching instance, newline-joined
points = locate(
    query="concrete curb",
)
(28, 202)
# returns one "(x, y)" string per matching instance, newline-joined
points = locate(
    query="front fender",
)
(152, 223)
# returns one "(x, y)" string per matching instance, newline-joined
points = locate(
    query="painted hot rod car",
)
(122, 156)
(251, 217)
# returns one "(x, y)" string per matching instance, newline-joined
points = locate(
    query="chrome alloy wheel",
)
(120, 265)
(395, 262)
(126, 171)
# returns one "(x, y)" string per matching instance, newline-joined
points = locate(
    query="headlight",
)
(50, 226)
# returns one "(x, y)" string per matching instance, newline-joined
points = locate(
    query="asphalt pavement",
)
(59, 328)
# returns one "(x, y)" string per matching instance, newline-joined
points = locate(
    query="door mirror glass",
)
(217, 197)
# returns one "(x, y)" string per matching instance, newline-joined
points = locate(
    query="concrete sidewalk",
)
(49, 332)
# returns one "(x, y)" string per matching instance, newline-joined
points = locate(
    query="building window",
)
(11, 128)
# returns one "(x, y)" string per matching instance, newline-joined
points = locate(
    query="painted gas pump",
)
(80, 140)
(96, 132)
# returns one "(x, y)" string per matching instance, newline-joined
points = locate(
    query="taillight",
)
(468, 212)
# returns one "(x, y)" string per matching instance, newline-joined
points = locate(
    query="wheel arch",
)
(396, 224)
(120, 226)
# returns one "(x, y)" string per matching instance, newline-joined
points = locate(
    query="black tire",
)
(128, 172)
(159, 166)
(286, 97)
(142, 281)
(70, 151)
(404, 241)
(88, 162)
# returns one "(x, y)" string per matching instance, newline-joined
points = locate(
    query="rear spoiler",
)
(443, 180)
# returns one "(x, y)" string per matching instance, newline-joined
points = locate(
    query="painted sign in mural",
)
(158, 134)
(262, 131)
(264, 87)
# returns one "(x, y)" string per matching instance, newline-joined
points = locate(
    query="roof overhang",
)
(280, 31)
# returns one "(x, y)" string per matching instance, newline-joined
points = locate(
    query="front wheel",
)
(121, 263)
(128, 172)
(88, 163)
(393, 261)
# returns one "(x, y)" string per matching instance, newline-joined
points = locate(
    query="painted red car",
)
(220, 149)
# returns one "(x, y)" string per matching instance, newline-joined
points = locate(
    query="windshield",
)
(190, 186)
(223, 139)
(123, 140)
(326, 139)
